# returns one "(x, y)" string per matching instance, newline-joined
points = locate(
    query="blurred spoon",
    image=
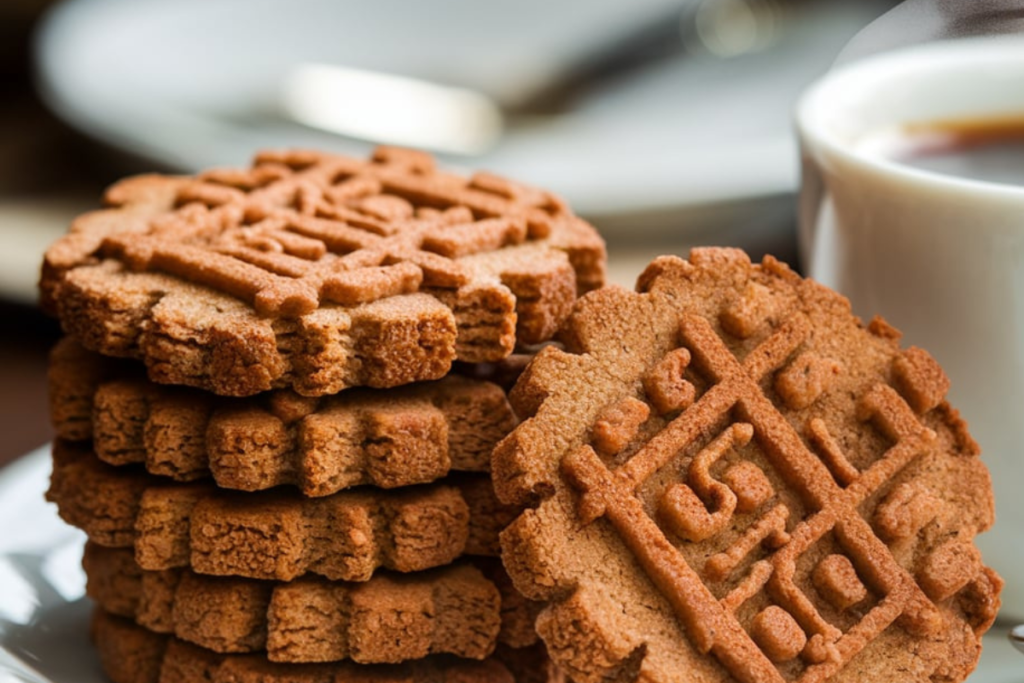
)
(1017, 637)
(393, 109)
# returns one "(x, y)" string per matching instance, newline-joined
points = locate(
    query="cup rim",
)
(873, 69)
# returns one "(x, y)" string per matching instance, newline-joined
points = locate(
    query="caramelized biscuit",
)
(459, 609)
(732, 478)
(319, 272)
(275, 534)
(386, 438)
(129, 653)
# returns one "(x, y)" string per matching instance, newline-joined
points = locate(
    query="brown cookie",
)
(275, 534)
(129, 653)
(390, 618)
(319, 272)
(734, 479)
(388, 438)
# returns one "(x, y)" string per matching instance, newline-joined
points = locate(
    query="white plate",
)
(44, 615)
(178, 82)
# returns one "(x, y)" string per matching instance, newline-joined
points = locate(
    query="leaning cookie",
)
(275, 534)
(319, 272)
(457, 609)
(131, 654)
(733, 479)
(386, 438)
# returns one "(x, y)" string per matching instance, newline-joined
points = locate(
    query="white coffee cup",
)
(940, 257)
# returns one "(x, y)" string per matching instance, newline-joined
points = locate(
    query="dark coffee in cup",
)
(983, 148)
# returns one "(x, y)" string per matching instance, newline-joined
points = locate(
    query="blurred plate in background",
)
(705, 122)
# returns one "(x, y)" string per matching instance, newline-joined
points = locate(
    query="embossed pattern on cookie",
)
(131, 654)
(390, 618)
(274, 534)
(784, 494)
(319, 272)
(398, 437)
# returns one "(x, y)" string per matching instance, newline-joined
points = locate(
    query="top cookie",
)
(738, 481)
(319, 272)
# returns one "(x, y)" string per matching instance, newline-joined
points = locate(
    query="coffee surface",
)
(989, 149)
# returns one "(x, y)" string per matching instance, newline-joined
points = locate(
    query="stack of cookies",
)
(722, 476)
(258, 425)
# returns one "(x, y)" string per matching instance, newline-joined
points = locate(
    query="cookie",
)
(129, 653)
(386, 438)
(389, 619)
(733, 479)
(319, 272)
(275, 534)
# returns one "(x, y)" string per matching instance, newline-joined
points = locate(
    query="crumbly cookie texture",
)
(319, 272)
(461, 609)
(733, 479)
(131, 654)
(276, 534)
(386, 438)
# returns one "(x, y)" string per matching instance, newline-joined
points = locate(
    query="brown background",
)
(43, 164)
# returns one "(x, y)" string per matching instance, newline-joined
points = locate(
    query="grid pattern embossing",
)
(830, 487)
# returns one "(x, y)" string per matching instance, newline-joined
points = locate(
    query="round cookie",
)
(733, 479)
(131, 654)
(464, 609)
(277, 534)
(388, 438)
(319, 272)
